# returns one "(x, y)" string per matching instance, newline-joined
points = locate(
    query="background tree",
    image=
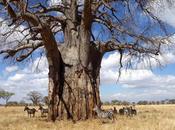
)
(106, 103)
(35, 97)
(116, 102)
(22, 103)
(75, 35)
(1, 93)
(142, 103)
(12, 103)
(6, 95)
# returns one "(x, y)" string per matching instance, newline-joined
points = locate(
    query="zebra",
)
(104, 114)
(43, 110)
(133, 111)
(30, 111)
(123, 111)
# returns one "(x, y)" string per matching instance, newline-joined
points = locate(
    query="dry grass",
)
(160, 117)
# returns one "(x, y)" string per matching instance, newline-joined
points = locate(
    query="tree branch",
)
(113, 45)
(15, 50)
(87, 14)
(54, 8)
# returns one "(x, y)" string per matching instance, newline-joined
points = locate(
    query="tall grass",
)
(152, 117)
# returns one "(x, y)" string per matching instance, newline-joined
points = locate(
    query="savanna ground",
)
(151, 117)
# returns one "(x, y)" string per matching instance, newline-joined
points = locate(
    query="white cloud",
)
(167, 57)
(10, 69)
(55, 2)
(59, 2)
(138, 84)
(11, 38)
(32, 77)
(164, 10)
(153, 94)
(136, 79)
(17, 77)
(110, 65)
(39, 65)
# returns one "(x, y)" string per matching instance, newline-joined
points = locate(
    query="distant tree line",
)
(166, 101)
(116, 102)
(142, 102)
(35, 98)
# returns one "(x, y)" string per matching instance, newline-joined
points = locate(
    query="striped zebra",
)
(43, 110)
(104, 114)
(123, 111)
(30, 111)
(132, 111)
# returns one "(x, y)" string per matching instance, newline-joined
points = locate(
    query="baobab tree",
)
(35, 97)
(75, 35)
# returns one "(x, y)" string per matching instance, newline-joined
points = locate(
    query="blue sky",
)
(134, 85)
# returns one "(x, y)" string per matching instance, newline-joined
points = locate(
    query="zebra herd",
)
(102, 114)
(129, 111)
(31, 111)
(111, 113)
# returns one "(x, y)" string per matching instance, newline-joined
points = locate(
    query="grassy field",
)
(153, 117)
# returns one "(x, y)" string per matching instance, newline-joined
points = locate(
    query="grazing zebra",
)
(123, 111)
(104, 114)
(30, 111)
(43, 110)
(129, 111)
(133, 111)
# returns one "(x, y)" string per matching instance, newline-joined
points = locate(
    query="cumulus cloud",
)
(10, 69)
(17, 77)
(32, 77)
(153, 94)
(140, 83)
(164, 10)
(110, 65)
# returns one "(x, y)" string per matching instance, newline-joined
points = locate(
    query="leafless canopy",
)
(123, 25)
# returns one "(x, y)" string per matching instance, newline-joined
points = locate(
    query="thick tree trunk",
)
(81, 84)
(78, 92)
(82, 62)
(73, 74)
(55, 75)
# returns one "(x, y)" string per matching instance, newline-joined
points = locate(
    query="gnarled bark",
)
(81, 84)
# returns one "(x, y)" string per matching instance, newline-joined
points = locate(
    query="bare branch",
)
(114, 45)
(54, 8)
(15, 50)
